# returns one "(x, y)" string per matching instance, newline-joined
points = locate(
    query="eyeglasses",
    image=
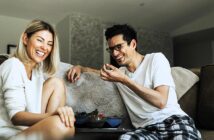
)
(117, 47)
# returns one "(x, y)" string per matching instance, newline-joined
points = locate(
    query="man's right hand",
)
(74, 73)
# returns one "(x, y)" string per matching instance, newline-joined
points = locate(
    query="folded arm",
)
(27, 118)
(65, 113)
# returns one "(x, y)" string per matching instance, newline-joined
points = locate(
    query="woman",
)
(26, 98)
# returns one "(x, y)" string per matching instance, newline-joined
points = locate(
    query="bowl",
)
(113, 121)
(81, 119)
(96, 123)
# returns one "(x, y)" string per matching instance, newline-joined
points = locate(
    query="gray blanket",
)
(90, 92)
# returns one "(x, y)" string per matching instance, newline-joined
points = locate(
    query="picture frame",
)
(11, 48)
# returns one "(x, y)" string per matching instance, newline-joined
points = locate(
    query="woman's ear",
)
(24, 39)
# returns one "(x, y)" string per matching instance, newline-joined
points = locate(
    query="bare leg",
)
(52, 127)
(53, 95)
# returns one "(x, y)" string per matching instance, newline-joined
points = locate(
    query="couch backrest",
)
(205, 112)
(188, 102)
(3, 58)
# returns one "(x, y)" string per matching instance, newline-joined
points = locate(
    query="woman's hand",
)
(74, 73)
(66, 115)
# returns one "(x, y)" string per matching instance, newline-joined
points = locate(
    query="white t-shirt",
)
(154, 71)
(18, 93)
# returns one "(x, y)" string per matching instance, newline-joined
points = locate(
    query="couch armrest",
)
(188, 102)
(3, 57)
(205, 111)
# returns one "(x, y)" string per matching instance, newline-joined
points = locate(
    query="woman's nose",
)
(44, 46)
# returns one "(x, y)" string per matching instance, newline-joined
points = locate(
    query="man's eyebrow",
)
(117, 45)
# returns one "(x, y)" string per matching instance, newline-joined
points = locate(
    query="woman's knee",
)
(58, 129)
(54, 95)
(56, 82)
(50, 128)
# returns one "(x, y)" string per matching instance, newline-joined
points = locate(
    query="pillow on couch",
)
(184, 79)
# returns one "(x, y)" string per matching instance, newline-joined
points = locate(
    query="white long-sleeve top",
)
(18, 93)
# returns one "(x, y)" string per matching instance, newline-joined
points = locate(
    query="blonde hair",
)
(50, 64)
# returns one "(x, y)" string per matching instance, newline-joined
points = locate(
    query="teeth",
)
(40, 53)
(118, 58)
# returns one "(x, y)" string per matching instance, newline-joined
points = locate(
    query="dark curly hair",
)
(127, 31)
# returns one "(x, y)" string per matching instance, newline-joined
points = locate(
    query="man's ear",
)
(133, 43)
(24, 39)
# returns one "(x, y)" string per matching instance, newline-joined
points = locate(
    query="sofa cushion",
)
(184, 79)
(189, 101)
(3, 57)
(205, 112)
(90, 92)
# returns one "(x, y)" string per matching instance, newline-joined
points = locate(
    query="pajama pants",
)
(172, 128)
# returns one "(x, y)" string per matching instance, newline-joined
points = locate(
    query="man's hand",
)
(111, 73)
(74, 73)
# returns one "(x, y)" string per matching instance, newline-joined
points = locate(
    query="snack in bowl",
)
(93, 119)
(96, 120)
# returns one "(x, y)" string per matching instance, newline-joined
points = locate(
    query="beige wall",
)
(10, 31)
(63, 34)
(204, 22)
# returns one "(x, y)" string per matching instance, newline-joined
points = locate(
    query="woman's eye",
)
(51, 45)
(39, 40)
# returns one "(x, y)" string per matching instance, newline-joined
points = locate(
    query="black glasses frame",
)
(117, 47)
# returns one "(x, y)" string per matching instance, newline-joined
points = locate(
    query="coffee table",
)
(99, 133)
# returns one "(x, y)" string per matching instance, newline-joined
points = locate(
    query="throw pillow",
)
(184, 79)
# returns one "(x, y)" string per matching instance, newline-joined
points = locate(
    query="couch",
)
(90, 92)
(194, 90)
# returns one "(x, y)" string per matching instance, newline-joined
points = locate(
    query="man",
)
(147, 88)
